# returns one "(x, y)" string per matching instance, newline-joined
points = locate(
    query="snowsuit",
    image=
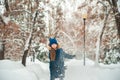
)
(57, 69)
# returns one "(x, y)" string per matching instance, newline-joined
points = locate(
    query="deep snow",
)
(10, 70)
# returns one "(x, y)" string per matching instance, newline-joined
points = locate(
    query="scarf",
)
(52, 54)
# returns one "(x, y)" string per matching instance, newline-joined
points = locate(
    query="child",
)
(56, 56)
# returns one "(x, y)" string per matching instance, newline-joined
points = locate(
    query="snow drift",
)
(10, 70)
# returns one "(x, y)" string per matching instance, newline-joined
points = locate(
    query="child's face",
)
(54, 46)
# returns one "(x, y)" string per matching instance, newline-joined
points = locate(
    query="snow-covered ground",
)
(76, 71)
(10, 70)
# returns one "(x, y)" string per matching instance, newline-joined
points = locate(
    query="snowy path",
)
(10, 70)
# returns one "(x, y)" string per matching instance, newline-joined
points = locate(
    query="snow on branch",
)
(22, 10)
(105, 6)
(28, 40)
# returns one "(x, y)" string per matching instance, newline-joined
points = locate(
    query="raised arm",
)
(68, 56)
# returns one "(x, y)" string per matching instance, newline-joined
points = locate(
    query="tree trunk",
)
(99, 41)
(2, 45)
(29, 40)
(1, 50)
(27, 47)
(117, 15)
(24, 57)
(7, 5)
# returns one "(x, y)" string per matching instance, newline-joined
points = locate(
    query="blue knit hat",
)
(52, 41)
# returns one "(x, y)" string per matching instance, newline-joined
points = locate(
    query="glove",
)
(73, 56)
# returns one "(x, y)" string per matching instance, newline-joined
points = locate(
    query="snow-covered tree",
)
(32, 22)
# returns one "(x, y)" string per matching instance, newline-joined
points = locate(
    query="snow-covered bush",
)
(41, 52)
(112, 55)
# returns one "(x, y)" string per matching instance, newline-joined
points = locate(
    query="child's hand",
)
(73, 56)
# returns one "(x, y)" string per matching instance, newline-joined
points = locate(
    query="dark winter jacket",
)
(57, 66)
